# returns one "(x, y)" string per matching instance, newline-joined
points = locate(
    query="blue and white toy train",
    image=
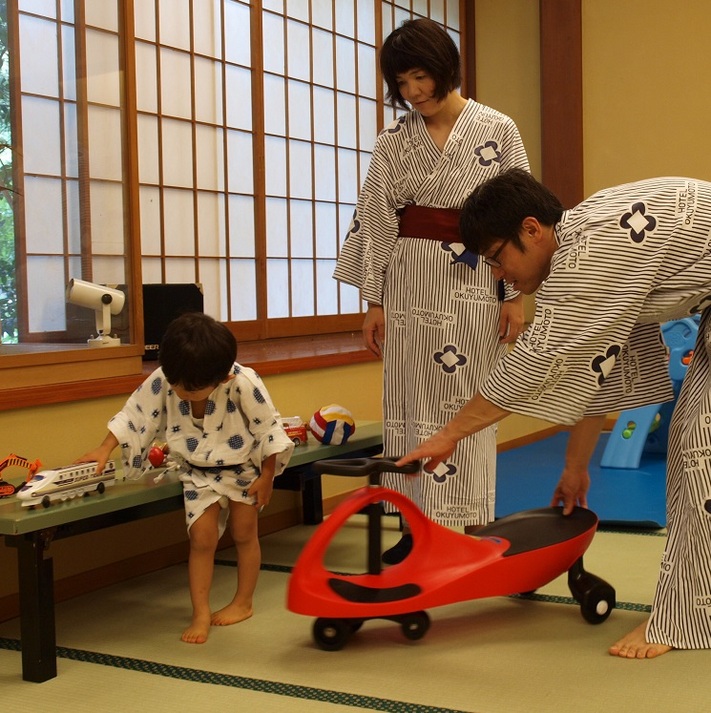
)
(66, 482)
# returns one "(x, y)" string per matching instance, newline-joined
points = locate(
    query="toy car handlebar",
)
(362, 466)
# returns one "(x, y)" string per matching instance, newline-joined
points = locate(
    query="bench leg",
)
(37, 628)
(312, 501)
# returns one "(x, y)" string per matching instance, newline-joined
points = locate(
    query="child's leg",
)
(243, 526)
(201, 563)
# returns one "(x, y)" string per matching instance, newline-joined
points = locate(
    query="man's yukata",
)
(630, 258)
(220, 455)
(441, 303)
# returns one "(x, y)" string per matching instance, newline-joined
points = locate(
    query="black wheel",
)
(415, 625)
(331, 634)
(355, 625)
(46, 502)
(597, 603)
(100, 487)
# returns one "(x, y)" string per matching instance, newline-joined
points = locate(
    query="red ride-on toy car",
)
(514, 555)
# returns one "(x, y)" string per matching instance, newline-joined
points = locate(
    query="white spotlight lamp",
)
(105, 301)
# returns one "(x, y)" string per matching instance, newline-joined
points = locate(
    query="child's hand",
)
(262, 489)
(100, 454)
(96, 455)
(263, 486)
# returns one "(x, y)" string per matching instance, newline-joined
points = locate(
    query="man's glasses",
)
(492, 260)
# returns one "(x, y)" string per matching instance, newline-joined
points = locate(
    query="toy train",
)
(66, 482)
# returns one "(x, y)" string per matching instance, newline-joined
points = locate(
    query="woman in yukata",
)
(435, 312)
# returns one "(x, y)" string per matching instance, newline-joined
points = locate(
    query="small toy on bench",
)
(159, 455)
(8, 489)
(65, 483)
(296, 429)
(332, 424)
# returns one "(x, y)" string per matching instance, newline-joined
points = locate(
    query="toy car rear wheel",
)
(415, 625)
(598, 603)
(355, 625)
(331, 634)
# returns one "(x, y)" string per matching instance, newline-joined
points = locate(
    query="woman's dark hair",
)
(420, 44)
(496, 209)
(197, 351)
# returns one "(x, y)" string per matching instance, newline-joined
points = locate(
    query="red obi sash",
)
(418, 221)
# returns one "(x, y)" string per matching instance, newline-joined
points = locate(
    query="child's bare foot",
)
(231, 614)
(198, 630)
(635, 646)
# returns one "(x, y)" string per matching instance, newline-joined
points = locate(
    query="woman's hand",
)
(511, 322)
(374, 329)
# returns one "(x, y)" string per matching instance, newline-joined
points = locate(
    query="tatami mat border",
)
(641, 531)
(251, 684)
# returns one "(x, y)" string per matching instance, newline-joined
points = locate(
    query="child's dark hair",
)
(420, 44)
(197, 351)
(496, 209)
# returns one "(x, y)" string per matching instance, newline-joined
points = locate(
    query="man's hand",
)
(572, 490)
(432, 452)
(574, 483)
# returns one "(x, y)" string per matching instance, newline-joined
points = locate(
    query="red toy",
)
(514, 555)
(296, 429)
(157, 454)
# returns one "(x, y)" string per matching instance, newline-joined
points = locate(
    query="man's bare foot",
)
(198, 630)
(231, 614)
(635, 646)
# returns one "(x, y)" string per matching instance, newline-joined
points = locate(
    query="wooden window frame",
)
(31, 377)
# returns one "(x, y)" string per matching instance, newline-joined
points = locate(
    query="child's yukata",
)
(220, 456)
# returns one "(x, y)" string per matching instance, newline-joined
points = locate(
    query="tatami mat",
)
(498, 655)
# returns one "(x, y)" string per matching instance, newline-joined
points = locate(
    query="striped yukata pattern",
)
(440, 301)
(631, 257)
(681, 612)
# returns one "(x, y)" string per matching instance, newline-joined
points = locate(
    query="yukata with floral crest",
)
(441, 303)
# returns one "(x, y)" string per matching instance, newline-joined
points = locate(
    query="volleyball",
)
(332, 424)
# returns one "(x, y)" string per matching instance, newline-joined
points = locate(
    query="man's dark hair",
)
(197, 351)
(496, 209)
(420, 44)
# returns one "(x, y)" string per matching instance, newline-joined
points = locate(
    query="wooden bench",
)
(30, 531)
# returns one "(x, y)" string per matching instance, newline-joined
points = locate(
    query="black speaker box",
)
(161, 305)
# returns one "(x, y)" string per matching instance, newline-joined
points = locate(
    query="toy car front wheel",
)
(331, 634)
(598, 603)
(415, 625)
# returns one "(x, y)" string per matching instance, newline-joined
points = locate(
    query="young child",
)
(222, 428)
